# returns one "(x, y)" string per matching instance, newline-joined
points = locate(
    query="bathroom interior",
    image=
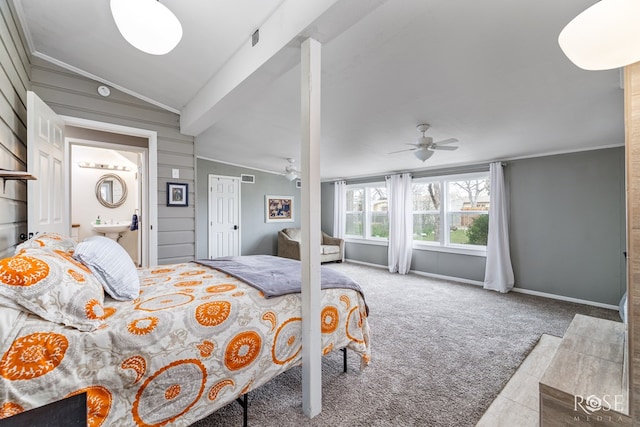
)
(105, 195)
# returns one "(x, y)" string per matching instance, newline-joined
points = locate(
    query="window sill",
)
(482, 252)
(367, 241)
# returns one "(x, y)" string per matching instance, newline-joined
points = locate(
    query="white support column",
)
(310, 229)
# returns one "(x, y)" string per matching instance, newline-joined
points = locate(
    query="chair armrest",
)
(330, 240)
(334, 241)
(288, 248)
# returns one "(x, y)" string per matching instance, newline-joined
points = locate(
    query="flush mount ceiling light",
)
(603, 37)
(290, 172)
(147, 25)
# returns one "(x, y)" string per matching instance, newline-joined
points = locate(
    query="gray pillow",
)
(112, 266)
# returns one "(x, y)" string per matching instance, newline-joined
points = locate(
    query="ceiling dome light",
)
(423, 153)
(147, 25)
(604, 36)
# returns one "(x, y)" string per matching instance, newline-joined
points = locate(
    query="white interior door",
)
(47, 200)
(224, 216)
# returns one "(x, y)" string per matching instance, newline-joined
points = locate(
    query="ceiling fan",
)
(425, 146)
(291, 172)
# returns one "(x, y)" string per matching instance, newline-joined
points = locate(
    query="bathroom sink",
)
(111, 231)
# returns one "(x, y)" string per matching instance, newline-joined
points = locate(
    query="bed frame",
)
(243, 402)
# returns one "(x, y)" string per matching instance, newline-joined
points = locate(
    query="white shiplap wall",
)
(73, 95)
(70, 94)
(14, 83)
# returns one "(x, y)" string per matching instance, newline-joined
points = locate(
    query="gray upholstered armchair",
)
(331, 249)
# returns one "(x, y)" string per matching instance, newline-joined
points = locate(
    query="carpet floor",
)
(441, 352)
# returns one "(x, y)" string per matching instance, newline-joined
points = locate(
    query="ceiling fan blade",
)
(446, 141)
(438, 147)
(402, 151)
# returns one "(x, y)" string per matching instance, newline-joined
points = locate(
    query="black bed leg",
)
(244, 413)
(344, 359)
(242, 400)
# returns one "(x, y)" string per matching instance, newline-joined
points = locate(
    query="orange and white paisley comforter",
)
(192, 342)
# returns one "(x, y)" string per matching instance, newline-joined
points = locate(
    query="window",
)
(451, 211)
(426, 211)
(367, 212)
(355, 209)
(448, 211)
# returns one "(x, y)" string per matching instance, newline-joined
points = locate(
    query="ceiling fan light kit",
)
(423, 154)
(604, 36)
(290, 172)
(147, 25)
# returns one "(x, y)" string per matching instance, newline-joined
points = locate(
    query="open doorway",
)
(105, 190)
(108, 147)
(49, 156)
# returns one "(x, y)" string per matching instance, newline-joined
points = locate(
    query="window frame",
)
(445, 245)
(427, 180)
(367, 212)
(361, 212)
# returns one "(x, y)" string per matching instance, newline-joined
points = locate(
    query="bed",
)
(191, 340)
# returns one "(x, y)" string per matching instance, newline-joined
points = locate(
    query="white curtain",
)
(498, 274)
(400, 223)
(339, 209)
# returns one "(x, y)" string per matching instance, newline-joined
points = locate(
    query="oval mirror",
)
(111, 190)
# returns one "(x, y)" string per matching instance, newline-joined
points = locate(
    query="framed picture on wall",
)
(278, 208)
(177, 194)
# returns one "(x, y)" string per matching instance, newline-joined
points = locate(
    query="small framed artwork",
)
(278, 208)
(177, 194)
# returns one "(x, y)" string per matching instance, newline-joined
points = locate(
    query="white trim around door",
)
(149, 197)
(223, 222)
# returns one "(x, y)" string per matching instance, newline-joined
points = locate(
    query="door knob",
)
(235, 227)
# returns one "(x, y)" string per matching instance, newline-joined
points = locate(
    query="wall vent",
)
(247, 179)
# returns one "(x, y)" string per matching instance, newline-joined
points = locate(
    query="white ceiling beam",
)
(277, 51)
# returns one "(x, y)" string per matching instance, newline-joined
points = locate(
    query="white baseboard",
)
(477, 283)
(449, 278)
(568, 299)
(353, 261)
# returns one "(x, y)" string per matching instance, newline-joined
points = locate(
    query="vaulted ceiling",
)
(488, 73)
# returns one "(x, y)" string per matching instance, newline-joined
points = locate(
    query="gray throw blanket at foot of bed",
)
(276, 276)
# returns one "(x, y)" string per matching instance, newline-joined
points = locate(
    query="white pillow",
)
(112, 266)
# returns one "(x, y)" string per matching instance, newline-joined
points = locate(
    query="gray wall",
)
(567, 222)
(73, 95)
(14, 83)
(258, 237)
(326, 217)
